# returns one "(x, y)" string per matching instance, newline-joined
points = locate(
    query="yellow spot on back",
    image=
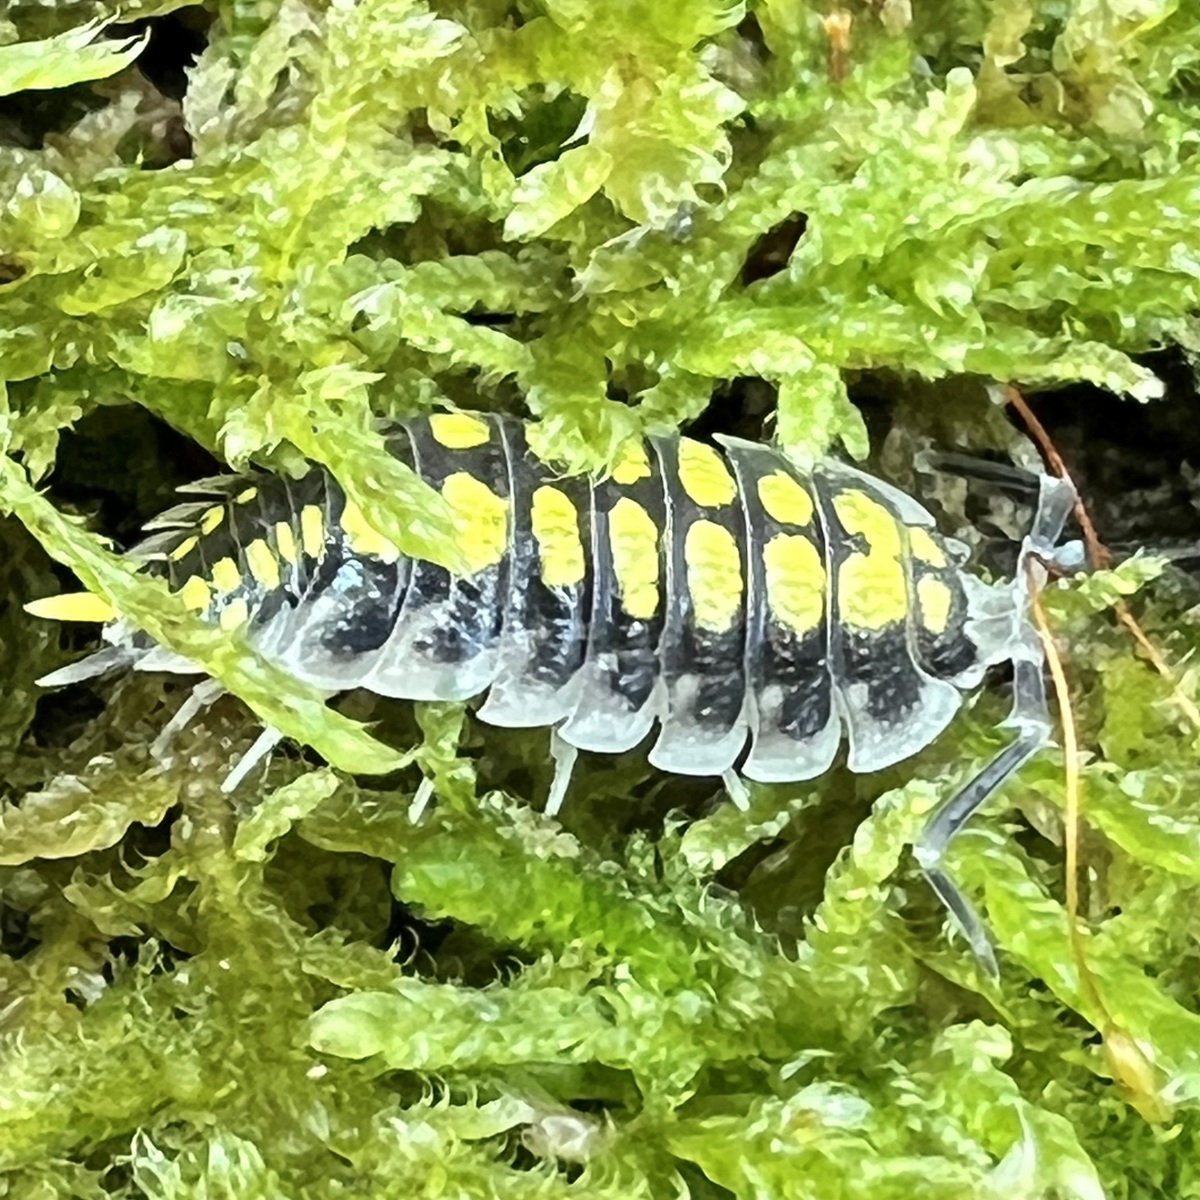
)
(226, 576)
(632, 463)
(312, 530)
(872, 587)
(633, 539)
(704, 475)
(364, 538)
(936, 600)
(796, 582)
(183, 549)
(458, 431)
(235, 613)
(72, 606)
(714, 575)
(481, 518)
(556, 530)
(285, 542)
(196, 593)
(262, 563)
(925, 548)
(784, 499)
(211, 518)
(246, 495)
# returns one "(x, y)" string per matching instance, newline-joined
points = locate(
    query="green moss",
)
(615, 216)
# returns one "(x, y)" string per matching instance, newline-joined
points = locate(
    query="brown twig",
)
(1099, 554)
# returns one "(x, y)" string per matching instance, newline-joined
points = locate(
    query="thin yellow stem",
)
(1070, 741)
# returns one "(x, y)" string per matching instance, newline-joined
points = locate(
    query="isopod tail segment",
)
(1029, 717)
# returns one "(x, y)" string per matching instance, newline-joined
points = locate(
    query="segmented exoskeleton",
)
(730, 598)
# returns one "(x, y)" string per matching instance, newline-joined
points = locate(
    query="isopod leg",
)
(261, 750)
(564, 755)
(736, 790)
(202, 695)
(1033, 731)
(421, 798)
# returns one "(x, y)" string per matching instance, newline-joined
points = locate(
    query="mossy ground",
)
(242, 231)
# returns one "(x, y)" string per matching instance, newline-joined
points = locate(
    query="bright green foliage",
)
(57, 62)
(575, 210)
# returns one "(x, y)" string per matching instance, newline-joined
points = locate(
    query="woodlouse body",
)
(730, 598)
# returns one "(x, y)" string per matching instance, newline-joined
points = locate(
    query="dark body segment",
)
(446, 637)
(544, 625)
(350, 585)
(891, 706)
(702, 647)
(250, 517)
(213, 552)
(617, 696)
(941, 608)
(794, 719)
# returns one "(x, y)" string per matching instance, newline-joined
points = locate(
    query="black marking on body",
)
(255, 521)
(473, 605)
(877, 661)
(302, 492)
(625, 646)
(947, 654)
(374, 589)
(777, 656)
(552, 621)
(715, 658)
